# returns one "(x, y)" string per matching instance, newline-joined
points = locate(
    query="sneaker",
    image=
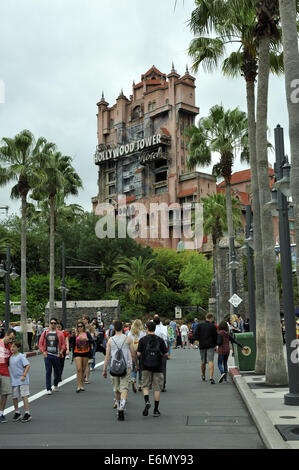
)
(55, 388)
(156, 413)
(17, 416)
(212, 381)
(147, 407)
(3, 419)
(163, 389)
(222, 377)
(139, 388)
(121, 415)
(49, 392)
(26, 418)
(203, 378)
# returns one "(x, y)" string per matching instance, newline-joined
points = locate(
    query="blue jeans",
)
(222, 363)
(52, 362)
(134, 371)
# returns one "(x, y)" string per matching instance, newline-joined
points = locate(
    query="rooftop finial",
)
(172, 67)
(187, 70)
(103, 95)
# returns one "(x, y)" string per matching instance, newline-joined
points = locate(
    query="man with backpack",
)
(152, 349)
(118, 350)
(206, 335)
(52, 344)
(162, 332)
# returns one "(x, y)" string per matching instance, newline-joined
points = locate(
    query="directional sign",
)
(235, 300)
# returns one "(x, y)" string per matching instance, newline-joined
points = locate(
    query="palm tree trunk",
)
(276, 372)
(291, 66)
(230, 230)
(52, 257)
(260, 363)
(23, 276)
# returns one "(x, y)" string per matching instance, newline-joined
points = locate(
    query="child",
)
(18, 368)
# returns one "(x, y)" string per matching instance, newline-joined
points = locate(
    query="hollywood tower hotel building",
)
(142, 151)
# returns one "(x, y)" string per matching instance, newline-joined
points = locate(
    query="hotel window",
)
(162, 176)
(111, 177)
(136, 112)
(112, 189)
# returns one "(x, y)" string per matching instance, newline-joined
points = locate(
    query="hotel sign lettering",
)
(127, 149)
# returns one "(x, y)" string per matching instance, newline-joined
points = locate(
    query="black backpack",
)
(152, 357)
(118, 366)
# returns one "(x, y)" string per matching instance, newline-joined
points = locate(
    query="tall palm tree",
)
(289, 20)
(266, 31)
(58, 178)
(139, 276)
(234, 22)
(19, 164)
(215, 224)
(224, 132)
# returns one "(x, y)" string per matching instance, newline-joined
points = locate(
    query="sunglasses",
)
(79, 326)
(53, 323)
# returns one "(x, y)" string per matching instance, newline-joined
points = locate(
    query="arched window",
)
(136, 112)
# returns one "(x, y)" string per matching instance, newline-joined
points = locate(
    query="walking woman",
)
(223, 350)
(137, 332)
(82, 350)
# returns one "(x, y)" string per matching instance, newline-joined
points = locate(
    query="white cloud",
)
(57, 57)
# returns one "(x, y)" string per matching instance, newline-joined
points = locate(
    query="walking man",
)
(5, 383)
(52, 345)
(120, 382)
(162, 332)
(152, 350)
(206, 335)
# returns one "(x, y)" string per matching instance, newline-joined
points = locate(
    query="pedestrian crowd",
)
(136, 355)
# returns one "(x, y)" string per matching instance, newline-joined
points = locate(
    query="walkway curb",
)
(268, 433)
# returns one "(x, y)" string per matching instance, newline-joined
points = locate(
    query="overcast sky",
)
(57, 56)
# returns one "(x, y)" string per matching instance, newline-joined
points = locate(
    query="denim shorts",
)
(207, 355)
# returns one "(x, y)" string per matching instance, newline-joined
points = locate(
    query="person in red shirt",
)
(5, 384)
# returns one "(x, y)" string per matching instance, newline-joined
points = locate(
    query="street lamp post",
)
(250, 272)
(291, 398)
(7, 270)
(63, 289)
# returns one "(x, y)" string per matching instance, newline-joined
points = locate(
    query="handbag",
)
(219, 340)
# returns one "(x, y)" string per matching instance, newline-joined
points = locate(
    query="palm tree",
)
(19, 164)
(234, 22)
(139, 276)
(289, 20)
(215, 224)
(224, 132)
(266, 31)
(58, 179)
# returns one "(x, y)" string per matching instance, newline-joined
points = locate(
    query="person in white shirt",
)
(162, 332)
(184, 335)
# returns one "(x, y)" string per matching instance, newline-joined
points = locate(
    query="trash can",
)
(245, 361)
(19, 337)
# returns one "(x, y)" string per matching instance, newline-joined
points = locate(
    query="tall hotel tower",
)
(142, 149)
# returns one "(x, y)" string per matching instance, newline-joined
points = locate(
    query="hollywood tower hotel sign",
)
(142, 151)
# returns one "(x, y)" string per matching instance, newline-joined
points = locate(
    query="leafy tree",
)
(197, 276)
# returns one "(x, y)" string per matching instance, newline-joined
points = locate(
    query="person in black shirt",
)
(206, 335)
(151, 349)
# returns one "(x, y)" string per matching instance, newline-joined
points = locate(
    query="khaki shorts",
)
(20, 391)
(121, 384)
(5, 385)
(152, 380)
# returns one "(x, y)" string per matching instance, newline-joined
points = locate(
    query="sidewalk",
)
(277, 423)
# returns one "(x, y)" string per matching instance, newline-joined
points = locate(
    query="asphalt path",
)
(194, 414)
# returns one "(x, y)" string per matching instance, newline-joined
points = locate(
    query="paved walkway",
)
(195, 414)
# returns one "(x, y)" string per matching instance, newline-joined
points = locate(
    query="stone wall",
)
(110, 310)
